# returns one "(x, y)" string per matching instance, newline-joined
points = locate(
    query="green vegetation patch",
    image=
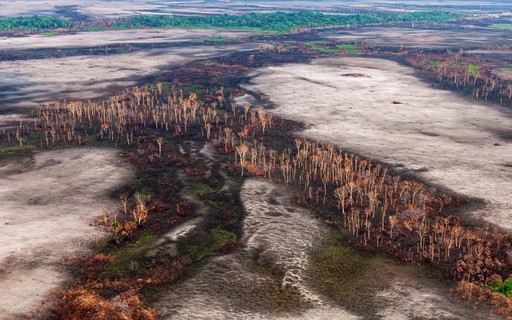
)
(347, 46)
(503, 287)
(349, 49)
(316, 42)
(325, 50)
(341, 48)
(278, 21)
(221, 39)
(196, 88)
(10, 149)
(273, 22)
(270, 292)
(347, 276)
(503, 26)
(33, 23)
(216, 242)
(473, 69)
(222, 237)
(505, 69)
(433, 63)
(127, 257)
(200, 189)
(49, 33)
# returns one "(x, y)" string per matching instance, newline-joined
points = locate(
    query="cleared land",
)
(35, 82)
(470, 37)
(50, 209)
(379, 109)
(111, 37)
(116, 8)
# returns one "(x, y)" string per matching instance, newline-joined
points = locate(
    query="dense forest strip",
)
(273, 22)
(33, 23)
(279, 21)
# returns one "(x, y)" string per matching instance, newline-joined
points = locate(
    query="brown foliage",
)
(166, 273)
(253, 170)
(195, 171)
(81, 303)
(478, 295)
(158, 206)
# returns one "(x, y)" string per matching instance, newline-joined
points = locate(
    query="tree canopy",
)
(274, 22)
(33, 23)
(278, 21)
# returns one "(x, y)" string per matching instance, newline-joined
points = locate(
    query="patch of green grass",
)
(347, 46)
(503, 26)
(221, 237)
(100, 245)
(198, 253)
(211, 244)
(200, 189)
(325, 50)
(505, 69)
(146, 192)
(316, 42)
(341, 48)
(137, 182)
(18, 148)
(221, 39)
(165, 86)
(92, 28)
(214, 204)
(352, 52)
(49, 33)
(349, 49)
(196, 88)
(127, 257)
(347, 276)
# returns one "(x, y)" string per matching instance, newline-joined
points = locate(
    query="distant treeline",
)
(275, 22)
(279, 21)
(33, 23)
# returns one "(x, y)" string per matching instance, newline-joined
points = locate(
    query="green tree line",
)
(33, 23)
(275, 22)
(279, 21)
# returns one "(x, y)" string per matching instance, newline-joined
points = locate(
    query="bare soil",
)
(454, 38)
(34, 82)
(116, 8)
(461, 145)
(110, 37)
(51, 206)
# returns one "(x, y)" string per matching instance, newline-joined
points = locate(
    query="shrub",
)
(503, 287)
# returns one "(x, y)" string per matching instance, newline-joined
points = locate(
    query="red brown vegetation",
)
(383, 212)
(473, 75)
(82, 303)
